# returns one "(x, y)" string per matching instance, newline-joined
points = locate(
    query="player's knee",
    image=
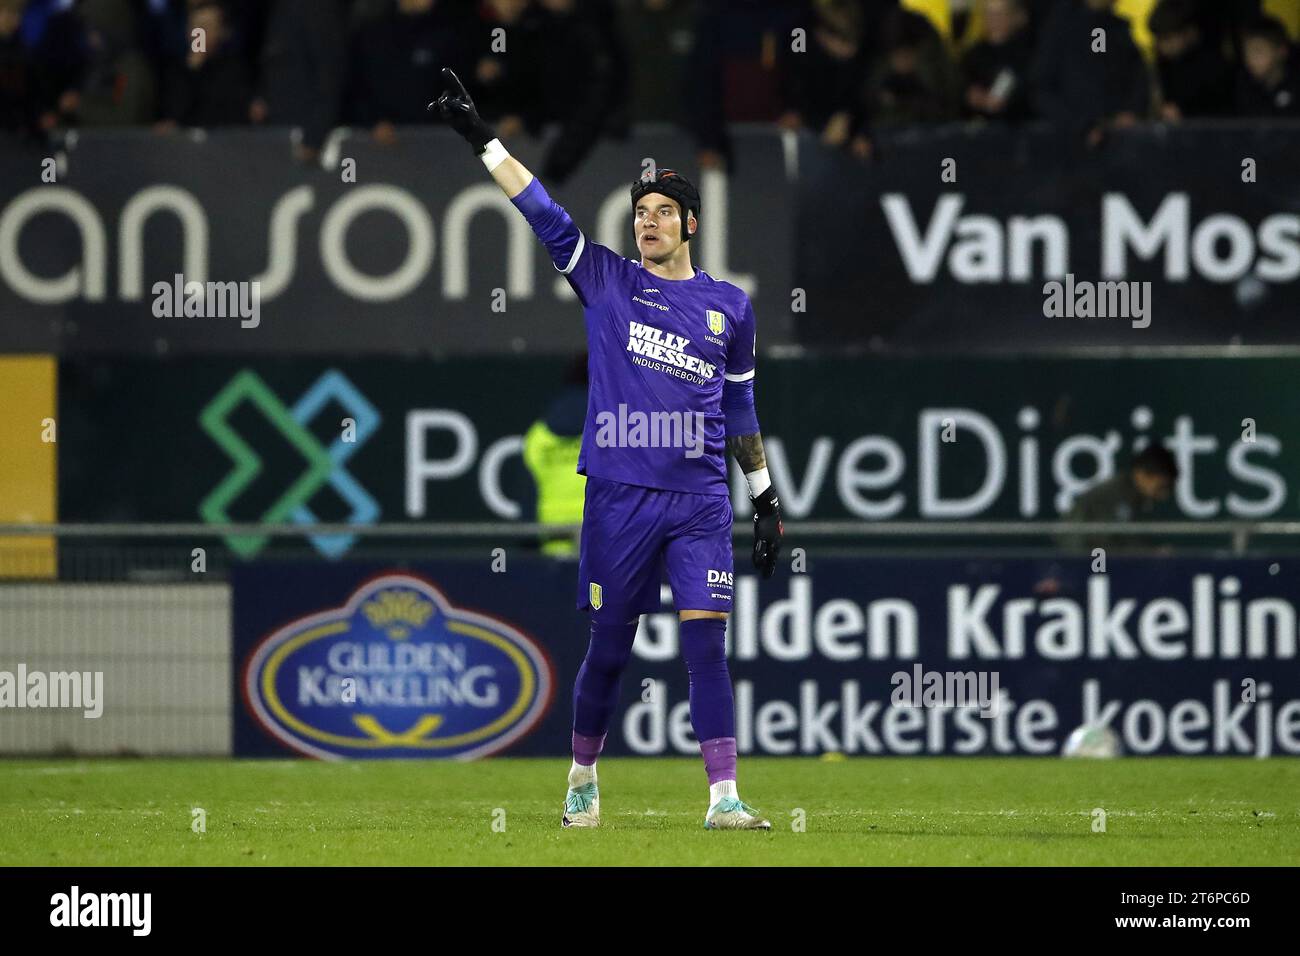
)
(705, 643)
(607, 658)
(610, 648)
(701, 615)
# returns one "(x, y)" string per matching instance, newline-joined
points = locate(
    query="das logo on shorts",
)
(398, 671)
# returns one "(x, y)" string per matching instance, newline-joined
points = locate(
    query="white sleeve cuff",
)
(741, 377)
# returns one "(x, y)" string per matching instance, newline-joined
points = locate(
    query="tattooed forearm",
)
(748, 451)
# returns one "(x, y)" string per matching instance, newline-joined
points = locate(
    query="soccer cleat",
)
(732, 813)
(582, 807)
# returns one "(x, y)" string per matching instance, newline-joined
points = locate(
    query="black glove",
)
(457, 110)
(768, 531)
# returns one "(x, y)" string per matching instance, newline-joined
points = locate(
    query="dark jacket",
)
(21, 91)
(1199, 83)
(397, 63)
(985, 63)
(819, 85)
(1076, 88)
(583, 83)
(216, 94)
(1283, 101)
(658, 45)
(304, 66)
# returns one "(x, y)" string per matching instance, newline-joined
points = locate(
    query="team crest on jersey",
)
(596, 594)
(717, 321)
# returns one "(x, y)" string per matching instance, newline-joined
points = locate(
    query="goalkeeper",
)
(670, 345)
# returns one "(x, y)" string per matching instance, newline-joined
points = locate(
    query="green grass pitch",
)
(858, 811)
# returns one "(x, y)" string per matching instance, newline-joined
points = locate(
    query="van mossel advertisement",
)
(460, 659)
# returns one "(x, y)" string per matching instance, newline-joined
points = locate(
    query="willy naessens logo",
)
(398, 671)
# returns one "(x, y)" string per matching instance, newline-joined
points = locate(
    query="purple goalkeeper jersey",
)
(659, 351)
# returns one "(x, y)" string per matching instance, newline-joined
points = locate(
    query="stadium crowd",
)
(584, 69)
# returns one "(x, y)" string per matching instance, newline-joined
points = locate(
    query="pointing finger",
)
(449, 76)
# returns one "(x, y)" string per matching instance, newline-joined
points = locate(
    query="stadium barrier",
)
(206, 652)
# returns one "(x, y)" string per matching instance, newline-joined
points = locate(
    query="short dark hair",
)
(1172, 16)
(906, 30)
(1265, 27)
(1157, 459)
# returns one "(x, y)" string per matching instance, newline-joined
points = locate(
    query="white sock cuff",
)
(723, 788)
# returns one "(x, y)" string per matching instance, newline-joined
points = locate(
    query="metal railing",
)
(817, 529)
(162, 552)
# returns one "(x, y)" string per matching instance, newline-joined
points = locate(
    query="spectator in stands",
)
(996, 71)
(581, 74)
(213, 86)
(1086, 93)
(1129, 496)
(397, 58)
(164, 31)
(968, 20)
(563, 64)
(737, 76)
(304, 66)
(915, 82)
(57, 37)
(1195, 79)
(1270, 83)
(100, 74)
(505, 75)
(659, 38)
(20, 84)
(246, 22)
(1221, 23)
(167, 39)
(823, 81)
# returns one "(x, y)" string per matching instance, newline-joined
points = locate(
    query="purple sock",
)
(719, 758)
(713, 713)
(587, 749)
(595, 692)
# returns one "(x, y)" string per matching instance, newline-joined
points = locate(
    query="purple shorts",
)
(630, 533)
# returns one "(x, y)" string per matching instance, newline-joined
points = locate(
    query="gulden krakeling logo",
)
(397, 671)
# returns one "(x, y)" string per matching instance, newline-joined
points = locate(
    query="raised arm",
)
(582, 263)
(457, 110)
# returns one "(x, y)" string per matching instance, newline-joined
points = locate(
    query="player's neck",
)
(677, 268)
